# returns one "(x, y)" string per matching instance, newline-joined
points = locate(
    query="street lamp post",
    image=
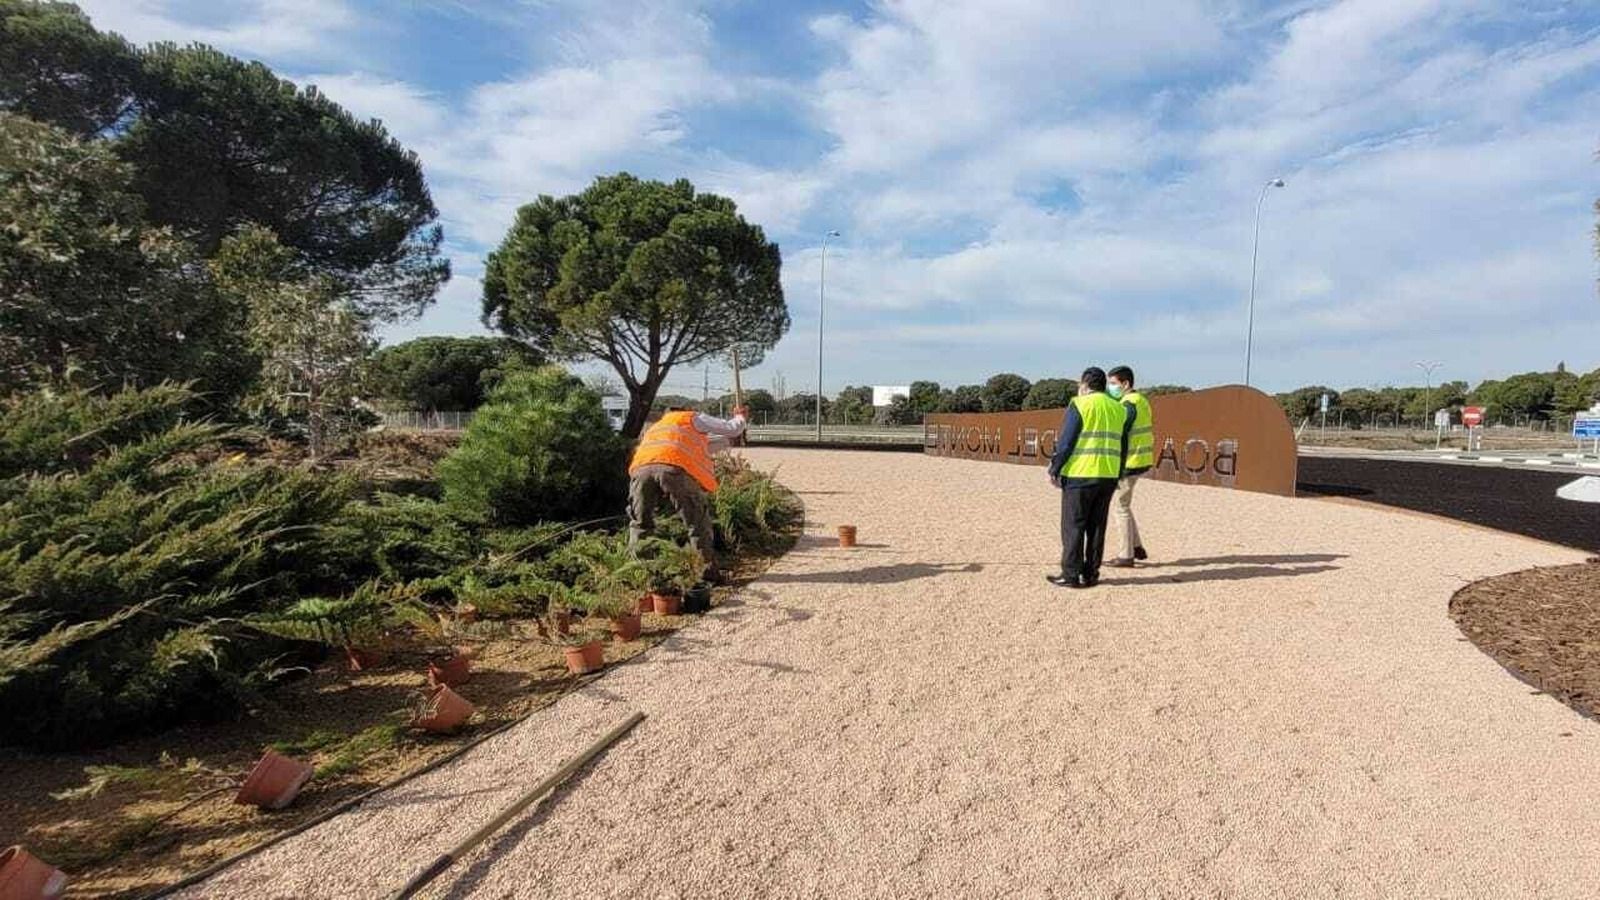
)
(1427, 399)
(1255, 248)
(822, 296)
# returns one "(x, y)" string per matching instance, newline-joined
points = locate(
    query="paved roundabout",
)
(1279, 705)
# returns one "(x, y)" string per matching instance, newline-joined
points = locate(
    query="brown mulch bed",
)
(1544, 625)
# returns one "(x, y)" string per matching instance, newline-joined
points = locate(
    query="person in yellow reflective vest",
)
(1141, 456)
(673, 460)
(1089, 458)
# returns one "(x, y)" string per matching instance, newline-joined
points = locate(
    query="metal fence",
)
(426, 420)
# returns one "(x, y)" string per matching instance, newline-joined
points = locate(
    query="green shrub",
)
(750, 509)
(540, 449)
(126, 560)
(400, 539)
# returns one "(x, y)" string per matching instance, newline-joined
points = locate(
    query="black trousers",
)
(1084, 511)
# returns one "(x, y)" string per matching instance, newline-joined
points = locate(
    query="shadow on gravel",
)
(395, 800)
(497, 847)
(895, 574)
(828, 542)
(1264, 559)
(1237, 573)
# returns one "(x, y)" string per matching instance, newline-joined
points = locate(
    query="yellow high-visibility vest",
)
(1098, 452)
(1142, 439)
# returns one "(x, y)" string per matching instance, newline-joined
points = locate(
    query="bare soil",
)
(1544, 625)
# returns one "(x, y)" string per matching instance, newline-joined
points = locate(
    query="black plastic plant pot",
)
(697, 599)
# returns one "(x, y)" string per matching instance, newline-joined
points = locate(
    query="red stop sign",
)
(1472, 415)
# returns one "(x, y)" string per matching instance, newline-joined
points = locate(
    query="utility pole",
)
(822, 297)
(1255, 249)
(1427, 400)
(705, 388)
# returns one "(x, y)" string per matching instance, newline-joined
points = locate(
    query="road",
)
(1505, 497)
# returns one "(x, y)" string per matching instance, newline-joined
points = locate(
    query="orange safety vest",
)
(674, 441)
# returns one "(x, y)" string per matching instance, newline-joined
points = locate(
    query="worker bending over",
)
(674, 459)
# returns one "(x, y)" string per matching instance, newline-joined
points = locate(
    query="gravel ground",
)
(1278, 706)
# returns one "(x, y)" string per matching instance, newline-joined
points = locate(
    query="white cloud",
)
(1035, 184)
(254, 28)
(923, 77)
(1437, 190)
(416, 116)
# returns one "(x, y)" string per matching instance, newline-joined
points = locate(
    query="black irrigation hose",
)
(215, 868)
(446, 860)
(357, 800)
(353, 802)
(346, 806)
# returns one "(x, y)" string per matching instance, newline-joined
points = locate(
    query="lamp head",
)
(1276, 182)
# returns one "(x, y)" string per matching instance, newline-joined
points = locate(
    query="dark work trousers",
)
(645, 490)
(1084, 511)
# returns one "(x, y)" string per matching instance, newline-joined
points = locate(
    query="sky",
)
(1030, 186)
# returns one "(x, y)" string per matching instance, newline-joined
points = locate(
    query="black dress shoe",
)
(1088, 581)
(1068, 581)
(1138, 553)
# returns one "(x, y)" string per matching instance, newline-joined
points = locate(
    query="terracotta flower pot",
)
(274, 782)
(24, 876)
(626, 628)
(847, 535)
(446, 711)
(668, 605)
(647, 603)
(452, 671)
(585, 659)
(363, 660)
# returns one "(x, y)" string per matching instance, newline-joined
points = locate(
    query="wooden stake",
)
(437, 868)
(738, 397)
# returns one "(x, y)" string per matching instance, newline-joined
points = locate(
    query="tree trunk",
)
(638, 411)
(641, 396)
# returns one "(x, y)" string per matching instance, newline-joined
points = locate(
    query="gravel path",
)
(1279, 706)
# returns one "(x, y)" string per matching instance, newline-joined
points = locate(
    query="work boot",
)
(1138, 553)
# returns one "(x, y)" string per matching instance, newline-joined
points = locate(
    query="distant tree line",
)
(1528, 397)
(1006, 392)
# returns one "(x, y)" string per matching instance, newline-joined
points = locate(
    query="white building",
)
(883, 395)
(616, 408)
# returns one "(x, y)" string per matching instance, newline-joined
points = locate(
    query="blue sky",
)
(1024, 185)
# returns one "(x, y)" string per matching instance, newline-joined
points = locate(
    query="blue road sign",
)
(1586, 427)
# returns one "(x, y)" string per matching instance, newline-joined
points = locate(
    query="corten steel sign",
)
(1235, 437)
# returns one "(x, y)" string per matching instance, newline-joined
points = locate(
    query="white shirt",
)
(719, 432)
